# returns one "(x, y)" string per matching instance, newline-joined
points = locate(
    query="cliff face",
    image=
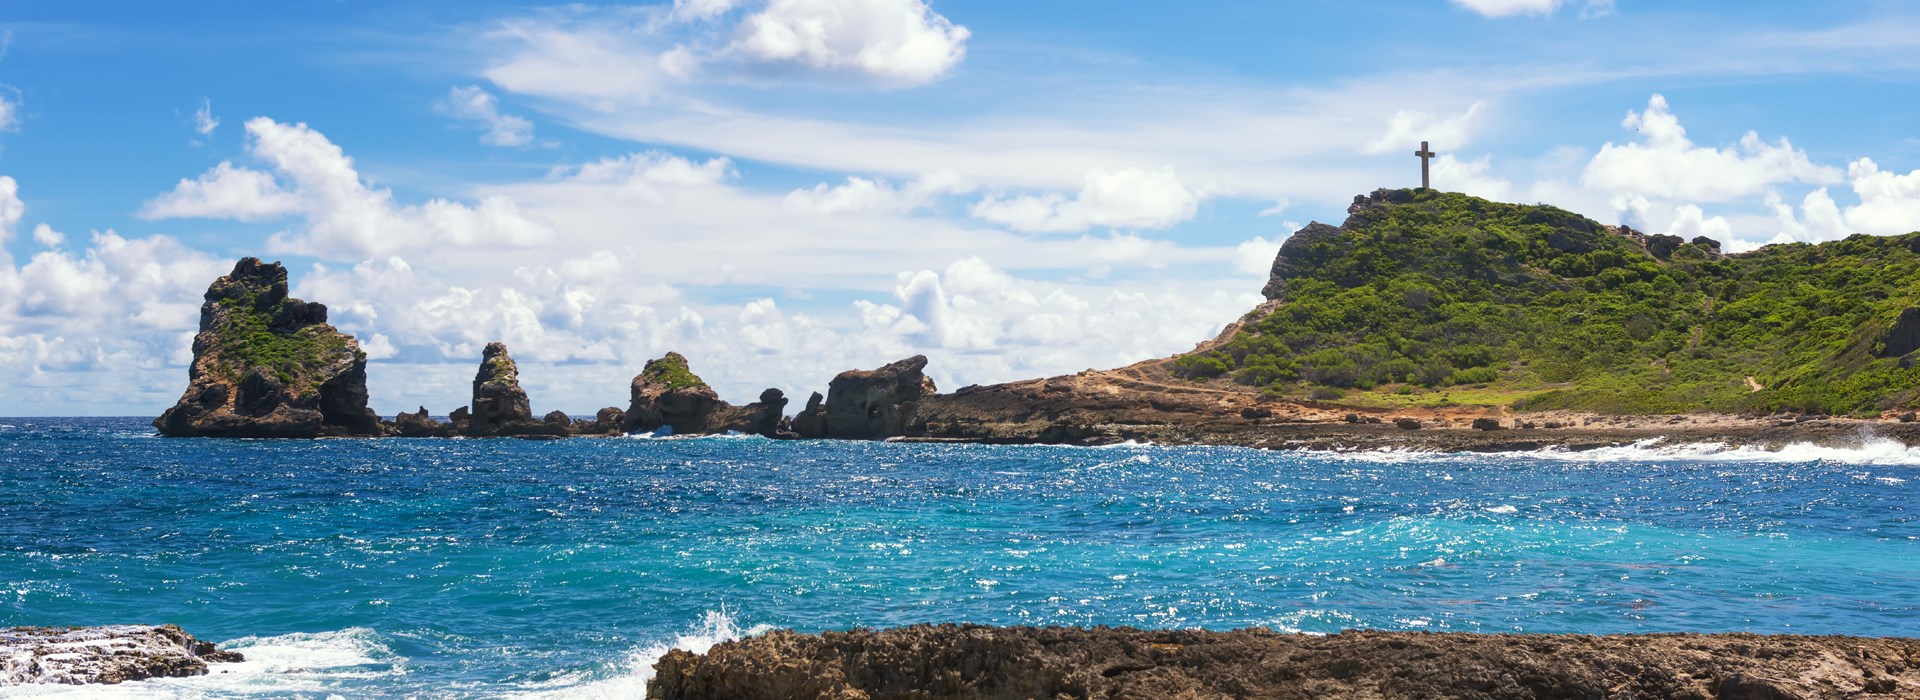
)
(268, 365)
(869, 404)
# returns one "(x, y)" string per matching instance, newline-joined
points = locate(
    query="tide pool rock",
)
(268, 365)
(109, 654)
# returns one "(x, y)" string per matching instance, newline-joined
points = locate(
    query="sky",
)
(785, 189)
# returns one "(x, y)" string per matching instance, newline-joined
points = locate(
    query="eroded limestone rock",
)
(268, 365)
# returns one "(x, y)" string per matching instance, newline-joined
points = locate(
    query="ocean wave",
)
(1872, 451)
(633, 674)
(276, 666)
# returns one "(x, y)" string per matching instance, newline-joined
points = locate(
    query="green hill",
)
(1424, 297)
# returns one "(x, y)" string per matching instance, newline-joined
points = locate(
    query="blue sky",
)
(782, 189)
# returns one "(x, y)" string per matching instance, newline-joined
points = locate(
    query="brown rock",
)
(876, 404)
(268, 365)
(103, 655)
(1406, 423)
(971, 661)
(666, 393)
(1487, 424)
(811, 422)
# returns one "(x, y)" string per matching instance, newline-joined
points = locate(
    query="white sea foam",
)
(1870, 451)
(715, 626)
(303, 664)
(1873, 451)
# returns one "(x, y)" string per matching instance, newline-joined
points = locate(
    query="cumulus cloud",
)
(344, 217)
(225, 192)
(1889, 204)
(861, 195)
(11, 208)
(900, 42)
(120, 313)
(203, 120)
(473, 104)
(1407, 128)
(46, 236)
(1131, 198)
(1665, 163)
(1539, 8)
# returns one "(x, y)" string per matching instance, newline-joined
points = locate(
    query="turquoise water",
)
(484, 568)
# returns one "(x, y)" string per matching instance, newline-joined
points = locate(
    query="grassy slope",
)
(1455, 299)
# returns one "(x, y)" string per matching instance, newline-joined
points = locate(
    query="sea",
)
(439, 568)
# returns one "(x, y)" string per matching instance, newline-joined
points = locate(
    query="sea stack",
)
(500, 407)
(666, 393)
(268, 365)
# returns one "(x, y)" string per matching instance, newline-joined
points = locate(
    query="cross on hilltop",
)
(1425, 155)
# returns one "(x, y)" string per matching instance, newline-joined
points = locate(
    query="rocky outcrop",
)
(666, 393)
(869, 404)
(268, 365)
(811, 422)
(1904, 337)
(764, 417)
(419, 424)
(500, 407)
(112, 654)
(971, 661)
(1308, 246)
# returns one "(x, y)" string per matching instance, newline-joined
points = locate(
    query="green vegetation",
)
(1539, 308)
(672, 372)
(248, 339)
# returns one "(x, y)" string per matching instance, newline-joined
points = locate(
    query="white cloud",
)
(695, 10)
(9, 114)
(1541, 8)
(1255, 257)
(474, 104)
(900, 42)
(11, 208)
(1472, 177)
(46, 236)
(225, 192)
(1690, 221)
(119, 314)
(861, 195)
(1409, 127)
(603, 63)
(1130, 198)
(1889, 202)
(1889, 205)
(344, 217)
(203, 120)
(1665, 163)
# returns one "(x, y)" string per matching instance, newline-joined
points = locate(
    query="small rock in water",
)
(107, 654)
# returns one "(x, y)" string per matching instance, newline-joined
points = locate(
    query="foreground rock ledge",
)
(110, 654)
(967, 661)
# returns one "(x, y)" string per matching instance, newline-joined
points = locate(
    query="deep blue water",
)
(374, 568)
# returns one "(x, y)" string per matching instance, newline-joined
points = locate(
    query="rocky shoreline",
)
(268, 365)
(970, 661)
(103, 655)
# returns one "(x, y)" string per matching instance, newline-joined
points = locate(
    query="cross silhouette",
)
(1426, 182)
